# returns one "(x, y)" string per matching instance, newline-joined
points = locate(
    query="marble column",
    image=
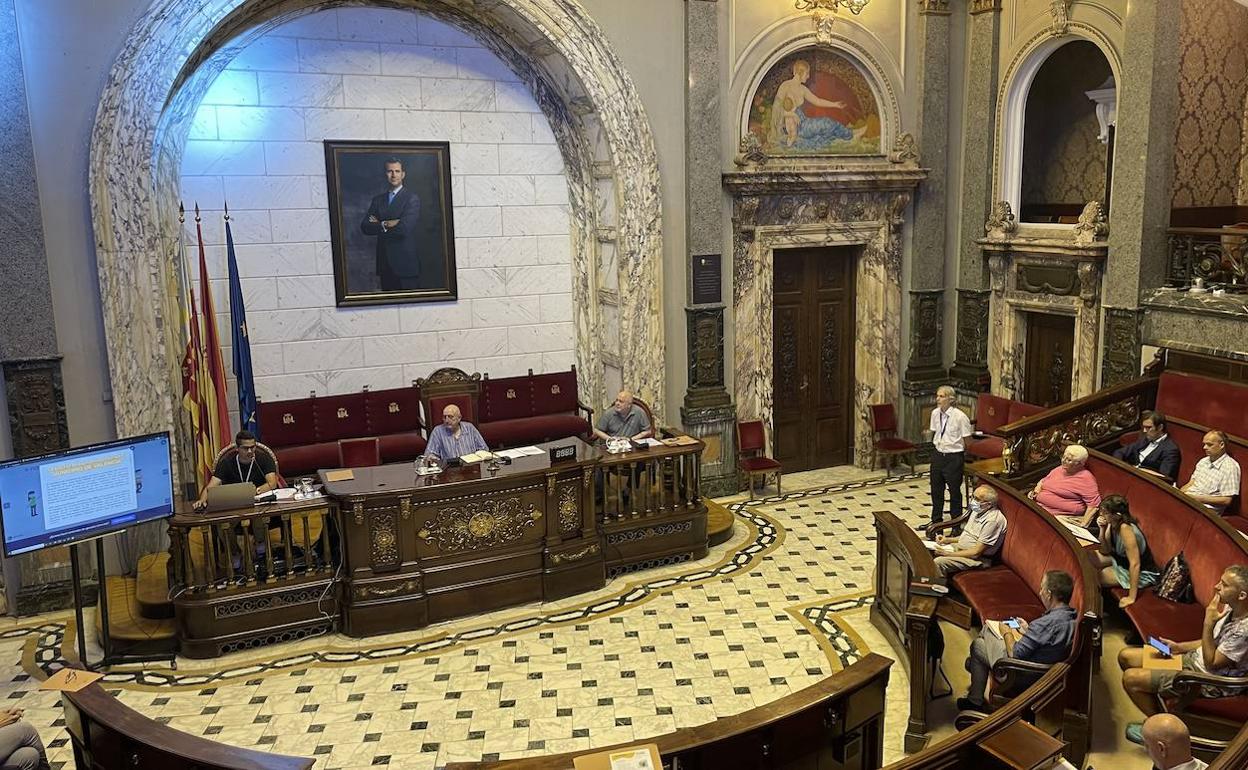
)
(1148, 99)
(925, 365)
(970, 367)
(707, 412)
(33, 389)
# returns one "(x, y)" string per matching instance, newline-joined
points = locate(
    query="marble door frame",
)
(178, 47)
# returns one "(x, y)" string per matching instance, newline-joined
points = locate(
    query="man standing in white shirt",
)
(949, 427)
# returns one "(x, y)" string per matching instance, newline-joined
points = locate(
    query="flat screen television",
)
(77, 494)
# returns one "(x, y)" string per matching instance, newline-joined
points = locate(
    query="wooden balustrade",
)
(656, 482)
(235, 572)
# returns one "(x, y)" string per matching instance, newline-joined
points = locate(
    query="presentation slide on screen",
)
(59, 499)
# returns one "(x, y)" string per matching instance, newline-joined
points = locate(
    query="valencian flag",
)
(193, 398)
(241, 345)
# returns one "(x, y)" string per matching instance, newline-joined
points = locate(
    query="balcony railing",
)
(1217, 257)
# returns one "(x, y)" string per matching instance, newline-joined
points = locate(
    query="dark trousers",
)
(947, 472)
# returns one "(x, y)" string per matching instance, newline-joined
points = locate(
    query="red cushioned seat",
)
(985, 448)
(533, 430)
(1238, 522)
(1234, 709)
(894, 443)
(401, 447)
(998, 592)
(759, 464)
(1154, 616)
(302, 460)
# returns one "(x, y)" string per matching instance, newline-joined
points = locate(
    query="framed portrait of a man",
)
(390, 222)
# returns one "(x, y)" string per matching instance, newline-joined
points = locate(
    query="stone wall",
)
(375, 74)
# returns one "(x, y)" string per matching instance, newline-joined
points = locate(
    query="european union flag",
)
(242, 346)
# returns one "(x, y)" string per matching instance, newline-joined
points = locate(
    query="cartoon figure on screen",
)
(33, 502)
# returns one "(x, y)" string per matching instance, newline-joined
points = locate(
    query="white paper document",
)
(994, 628)
(651, 442)
(530, 450)
(1079, 531)
(510, 454)
(937, 547)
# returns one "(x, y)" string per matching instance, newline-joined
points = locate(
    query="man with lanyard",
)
(246, 464)
(949, 427)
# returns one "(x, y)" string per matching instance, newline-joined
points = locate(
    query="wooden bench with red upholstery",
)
(991, 413)
(1174, 523)
(304, 432)
(510, 411)
(1035, 543)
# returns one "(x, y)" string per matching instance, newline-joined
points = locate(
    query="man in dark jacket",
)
(392, 217)
(1155, 451)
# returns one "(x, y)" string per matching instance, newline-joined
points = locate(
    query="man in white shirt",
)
(949, 427)
(1215, 480)
(1169, 743)
(981, 538)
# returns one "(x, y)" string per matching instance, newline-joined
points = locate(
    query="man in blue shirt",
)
(454, 437)
(1044, 640)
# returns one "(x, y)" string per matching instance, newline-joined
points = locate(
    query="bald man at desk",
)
(624, 419)
(454, 437)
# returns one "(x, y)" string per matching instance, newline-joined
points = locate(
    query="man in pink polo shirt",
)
(1070, 489)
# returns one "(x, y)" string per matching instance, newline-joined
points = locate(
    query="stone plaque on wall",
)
(707, 275)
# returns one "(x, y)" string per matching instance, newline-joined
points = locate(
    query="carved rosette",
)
(569, 511)
(384, 538)
(479, 524)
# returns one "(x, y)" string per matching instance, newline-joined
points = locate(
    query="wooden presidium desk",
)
(415, 550)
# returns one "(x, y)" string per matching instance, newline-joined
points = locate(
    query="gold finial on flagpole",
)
(227, 210)
(181, 213)
(196, 211)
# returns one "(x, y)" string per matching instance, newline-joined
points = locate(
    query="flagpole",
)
(186, 440)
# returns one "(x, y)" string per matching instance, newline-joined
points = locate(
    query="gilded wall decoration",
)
(815, 102)
(1209, 147)
(480, 524)
(1063, 161)
(383, 529)
(569, 510)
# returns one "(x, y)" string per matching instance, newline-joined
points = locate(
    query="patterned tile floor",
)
(778, 607)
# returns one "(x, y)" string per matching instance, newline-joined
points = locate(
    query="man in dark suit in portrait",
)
(1155, 451)
(393, 217)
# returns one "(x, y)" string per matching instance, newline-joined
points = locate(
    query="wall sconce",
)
(823, 22)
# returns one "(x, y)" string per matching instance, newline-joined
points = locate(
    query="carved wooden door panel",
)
(812, 357)
(1049, 359)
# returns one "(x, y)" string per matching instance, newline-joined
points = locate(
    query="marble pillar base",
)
(717, 428)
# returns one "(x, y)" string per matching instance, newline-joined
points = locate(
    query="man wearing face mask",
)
(981, 538)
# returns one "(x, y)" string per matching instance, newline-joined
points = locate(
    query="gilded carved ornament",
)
(1060, 11)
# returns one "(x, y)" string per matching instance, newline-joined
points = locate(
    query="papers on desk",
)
(937, 547)
(1078, 531)
(284, 493)
(651, 442)
(476, 457)
(679, 441)
(518, 452)
(994, 628)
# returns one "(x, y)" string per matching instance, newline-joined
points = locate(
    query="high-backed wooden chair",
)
(654, 429)
(359, 452)
(751, 443)
(884, 441)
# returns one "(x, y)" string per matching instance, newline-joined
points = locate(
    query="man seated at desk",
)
(454, 437)
(981, 538)
(624, 419)
(247, 464)
(1215, 480)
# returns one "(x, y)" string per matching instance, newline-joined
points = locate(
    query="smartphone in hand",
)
(1159, 645)
(1012, 623)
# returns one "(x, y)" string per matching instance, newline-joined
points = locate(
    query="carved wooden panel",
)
(383, 535)
(785, 355)
(476, 524)
(569, 509)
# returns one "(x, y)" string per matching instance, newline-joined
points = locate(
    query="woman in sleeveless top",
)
(1125, 560)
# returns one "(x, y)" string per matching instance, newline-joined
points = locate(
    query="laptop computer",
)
(227, 497)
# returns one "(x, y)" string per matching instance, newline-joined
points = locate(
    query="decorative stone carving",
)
(569, 511)
(1089, 278)
(972, 347)
(823, 27)
(1001, 223)
(750, 151)
(1060, 11)
(934, 7)
(36, 399)
(984, 6)
(479, 524)
(1092, 225)
(1120, 357)
(590, 550)
(905, 149)
(996, 272)
(925, 328)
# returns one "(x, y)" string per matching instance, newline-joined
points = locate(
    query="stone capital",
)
(984, 6)
(934, 7)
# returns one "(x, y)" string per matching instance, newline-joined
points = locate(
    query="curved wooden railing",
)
(243, 579)
(906, 618)
(841, 716)
(1034, 444)
(106, 733)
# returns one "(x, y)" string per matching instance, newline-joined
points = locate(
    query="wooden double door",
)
(813, 357)
(1048, 365)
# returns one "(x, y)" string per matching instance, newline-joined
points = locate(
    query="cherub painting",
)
(815, 102)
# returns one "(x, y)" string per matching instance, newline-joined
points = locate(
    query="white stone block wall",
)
(379, 74)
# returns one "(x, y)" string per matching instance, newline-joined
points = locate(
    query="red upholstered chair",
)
(751, 443)
(884, 441)
(359, 452)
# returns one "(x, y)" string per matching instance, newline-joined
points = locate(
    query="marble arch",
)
(178, 47)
